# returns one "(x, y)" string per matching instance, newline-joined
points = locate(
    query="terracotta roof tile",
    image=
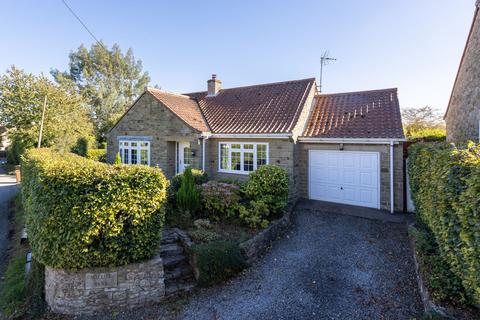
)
(364, 114)
(265, 108)
(183, 106)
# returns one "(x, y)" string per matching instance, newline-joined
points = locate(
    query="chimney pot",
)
(214, 86)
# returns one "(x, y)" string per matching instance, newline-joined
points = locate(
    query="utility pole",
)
(41, 123)
(324, 60)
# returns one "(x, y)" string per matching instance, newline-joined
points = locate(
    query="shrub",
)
(203, 231)
(15, 150)
(81, 147)
(118, 159)
(428, 135)
(199, 177)
(220, 200)
(256, 214)
(268, 183)
(81, 213)
(445, 183)
(97, 155)
(444, 286)
(218, 261)
(188, 197)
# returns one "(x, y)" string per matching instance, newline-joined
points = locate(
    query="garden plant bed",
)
(230, 224)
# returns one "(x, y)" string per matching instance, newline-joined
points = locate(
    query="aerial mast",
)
(324, 60)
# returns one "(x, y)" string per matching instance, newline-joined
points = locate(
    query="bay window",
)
(242, 157)
(134, 152)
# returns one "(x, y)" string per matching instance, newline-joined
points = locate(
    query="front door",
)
(184, 156)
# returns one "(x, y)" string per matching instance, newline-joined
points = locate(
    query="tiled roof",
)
(183, 106)
(265, 108)
(364, 114)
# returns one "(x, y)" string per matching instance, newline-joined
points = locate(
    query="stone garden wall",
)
(92, 290)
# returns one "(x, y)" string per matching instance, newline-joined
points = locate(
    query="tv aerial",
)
(324, 60)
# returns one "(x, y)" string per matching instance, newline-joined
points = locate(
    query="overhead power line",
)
(83, 24)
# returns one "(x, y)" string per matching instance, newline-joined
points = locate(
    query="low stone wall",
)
(255, 247)
(98, 289)
(428, 304)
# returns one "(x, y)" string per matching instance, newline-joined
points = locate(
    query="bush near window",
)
(445, 183)
(268, 183)
(97, 155)
(220, 200)
(81, 213)
(218, 261)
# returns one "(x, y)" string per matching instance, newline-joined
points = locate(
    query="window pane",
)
(236, 146)
(224, 156)
(248, 161)
(144, 144)
(187, 156)
(133, 144)
(248, 146)
(261, 154)
(144, 156)
(133, 159)
(125, 156)
(236, 164)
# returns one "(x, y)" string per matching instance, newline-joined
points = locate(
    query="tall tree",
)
(421, 122)
(107, 79)
(21, 103)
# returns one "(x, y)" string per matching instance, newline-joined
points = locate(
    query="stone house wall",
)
(280, 153)
(384, 169)
(148, 117)
(463, 115)
(89, 291)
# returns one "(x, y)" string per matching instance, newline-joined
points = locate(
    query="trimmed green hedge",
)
(81, 213)
(97, 154)
(445, 183)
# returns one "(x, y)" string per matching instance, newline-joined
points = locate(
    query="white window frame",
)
(138, 148)
(242, 152)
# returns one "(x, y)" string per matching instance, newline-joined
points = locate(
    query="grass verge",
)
(21, 295)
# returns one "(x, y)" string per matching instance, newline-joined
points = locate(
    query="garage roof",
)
(363, 114)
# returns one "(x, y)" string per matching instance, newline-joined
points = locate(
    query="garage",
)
(349, 177)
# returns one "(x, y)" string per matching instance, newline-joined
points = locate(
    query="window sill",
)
(243, 173)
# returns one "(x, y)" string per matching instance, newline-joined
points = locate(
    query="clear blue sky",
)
(414, 45)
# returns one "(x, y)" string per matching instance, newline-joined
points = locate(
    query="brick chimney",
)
(214, 86)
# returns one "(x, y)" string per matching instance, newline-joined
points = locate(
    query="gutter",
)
(203, 153)
(352, 140)
(247, 135)
(391, 178)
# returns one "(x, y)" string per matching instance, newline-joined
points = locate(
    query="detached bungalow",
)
(343, 148)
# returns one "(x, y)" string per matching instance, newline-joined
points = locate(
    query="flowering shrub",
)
(220, 200)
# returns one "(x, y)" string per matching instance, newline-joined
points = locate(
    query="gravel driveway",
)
(329, 266)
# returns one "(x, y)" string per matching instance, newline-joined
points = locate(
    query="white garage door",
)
(348, 177)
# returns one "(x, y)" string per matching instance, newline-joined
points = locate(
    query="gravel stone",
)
(329, 266)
